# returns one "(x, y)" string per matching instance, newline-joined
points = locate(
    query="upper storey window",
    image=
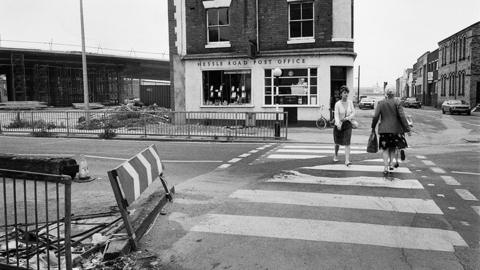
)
(300, 20)
(218, 22)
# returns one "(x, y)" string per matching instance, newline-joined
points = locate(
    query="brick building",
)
(404, 83)
(421, 77)
(459, 66)
(430, 93)
(254, 55)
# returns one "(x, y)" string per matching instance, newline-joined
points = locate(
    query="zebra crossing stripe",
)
(324, 146)
(355, 167)
(476, 208)
(428, 162)
(466, 195)
(374, 160)
(450, 180)
(332, 231)
(362, 181)
(438, 170)
(315, 151)
(406, 205)
(281, 156)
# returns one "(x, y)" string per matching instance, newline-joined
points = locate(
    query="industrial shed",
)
(55, 77)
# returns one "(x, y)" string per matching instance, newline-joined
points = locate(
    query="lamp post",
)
(277, 72)
(84, 67)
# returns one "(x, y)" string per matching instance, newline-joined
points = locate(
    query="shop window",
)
(226, 87)
(218, 25)
(295, 87)
(300, 20)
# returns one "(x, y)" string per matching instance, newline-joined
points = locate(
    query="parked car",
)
(455, 106)
(412, 102)
(366, 103)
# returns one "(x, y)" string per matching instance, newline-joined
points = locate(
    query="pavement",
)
(360, 135)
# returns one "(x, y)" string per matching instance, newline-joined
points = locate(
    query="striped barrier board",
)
(131, 178)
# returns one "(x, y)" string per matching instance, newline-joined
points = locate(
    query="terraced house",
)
(260, 55)
(459, 66)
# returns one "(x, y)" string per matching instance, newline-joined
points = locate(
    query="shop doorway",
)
(338, 77)
(292, 115)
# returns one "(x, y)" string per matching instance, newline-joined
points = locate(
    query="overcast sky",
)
(389, 34)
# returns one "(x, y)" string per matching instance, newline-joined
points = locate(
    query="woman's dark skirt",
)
(392, 140)
(343, 136)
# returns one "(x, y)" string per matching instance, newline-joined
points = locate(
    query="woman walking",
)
(391, 129)
(342, 131)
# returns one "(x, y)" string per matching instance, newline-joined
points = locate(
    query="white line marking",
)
(164, 161)
(466, 195)
(112, 158)
(233, 160)
(451, 208)
(326, 146)
(476, 208)
(407, 205)
(332, 231)
(244, 155)
(224, 166)
(253, 151)
(471, 173)
(421, 157)
(315, 151)
(450, 180)
(464, 223)
(438, 170)
(441, 195)
(191, 161)
(428, 162)
(373, 160)
(355, 167)
(431, 185)
(278, 156)
(300, 178)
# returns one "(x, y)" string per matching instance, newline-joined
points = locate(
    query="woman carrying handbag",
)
(342, 131)
(391, 129)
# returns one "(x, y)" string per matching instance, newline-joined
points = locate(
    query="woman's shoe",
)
(385, 172)
(390, 168)
(396, 165)
(335, 159)
(348, 163)
(402, 155)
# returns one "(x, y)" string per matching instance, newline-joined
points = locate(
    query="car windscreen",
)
(455, 102)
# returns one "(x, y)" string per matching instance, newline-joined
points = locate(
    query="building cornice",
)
(275, 53)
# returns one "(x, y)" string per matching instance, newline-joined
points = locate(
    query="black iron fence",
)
(35, 218)
(231, 125)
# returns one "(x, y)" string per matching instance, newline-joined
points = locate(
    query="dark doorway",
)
(292, 115)
(338, 77)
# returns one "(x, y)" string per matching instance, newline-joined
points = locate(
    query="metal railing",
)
(33, 234)
(231, 125)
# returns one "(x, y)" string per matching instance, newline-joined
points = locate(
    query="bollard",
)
(276, 126)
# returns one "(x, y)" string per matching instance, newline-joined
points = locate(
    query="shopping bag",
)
(372, 146)
(354, 123)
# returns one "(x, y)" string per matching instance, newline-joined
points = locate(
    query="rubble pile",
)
(40, 246)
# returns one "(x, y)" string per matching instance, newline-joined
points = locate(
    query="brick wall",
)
(273, 27)
(475, 65)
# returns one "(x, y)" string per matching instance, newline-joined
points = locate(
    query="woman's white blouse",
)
(341, 112)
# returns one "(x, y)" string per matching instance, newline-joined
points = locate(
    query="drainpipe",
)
(257, 26)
